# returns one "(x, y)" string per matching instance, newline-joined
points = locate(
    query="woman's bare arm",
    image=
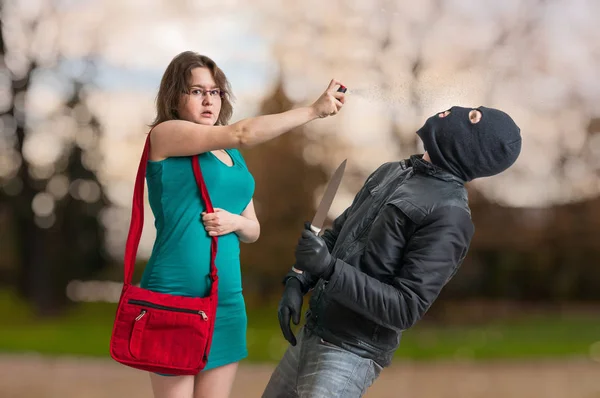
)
(183, 138)
(249, 228)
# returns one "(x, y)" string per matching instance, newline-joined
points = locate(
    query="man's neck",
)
(426, 157)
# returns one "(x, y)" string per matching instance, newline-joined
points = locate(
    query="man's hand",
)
(312, 254)
(289, 308)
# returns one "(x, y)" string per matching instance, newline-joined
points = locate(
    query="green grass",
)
(86, 331)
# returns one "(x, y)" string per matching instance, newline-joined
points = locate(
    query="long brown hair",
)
(175, 82)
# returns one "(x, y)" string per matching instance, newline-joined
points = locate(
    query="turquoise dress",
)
(180, 260)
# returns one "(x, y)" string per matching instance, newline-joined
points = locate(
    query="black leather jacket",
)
(402, 239)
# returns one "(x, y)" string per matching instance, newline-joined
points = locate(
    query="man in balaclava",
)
(386, 258)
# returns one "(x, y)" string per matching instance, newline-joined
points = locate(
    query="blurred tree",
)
(401, 62)
(285, 186)
(594, 126)
(54, 216)
(537, 255)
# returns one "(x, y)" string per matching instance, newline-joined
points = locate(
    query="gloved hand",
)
(312, 254)
(290, 306)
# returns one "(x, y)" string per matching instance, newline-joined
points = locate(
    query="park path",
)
(30, 376)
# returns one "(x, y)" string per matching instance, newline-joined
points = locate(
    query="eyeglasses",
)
(213, 92)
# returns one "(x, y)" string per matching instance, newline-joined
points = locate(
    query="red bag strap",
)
(137, 217)
(209, 209)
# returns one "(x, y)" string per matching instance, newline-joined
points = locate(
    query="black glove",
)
(313, 256)
(290, 305)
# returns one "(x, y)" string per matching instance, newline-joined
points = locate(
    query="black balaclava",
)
(470, 150)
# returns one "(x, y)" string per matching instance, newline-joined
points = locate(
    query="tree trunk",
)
(72, 247)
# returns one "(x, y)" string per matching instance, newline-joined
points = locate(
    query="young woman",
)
(193, 110)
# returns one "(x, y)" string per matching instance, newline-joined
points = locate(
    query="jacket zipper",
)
(361, 234)
(166, 308)
(364, 231)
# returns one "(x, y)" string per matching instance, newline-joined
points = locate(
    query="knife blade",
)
(321, 214)
(334, 183)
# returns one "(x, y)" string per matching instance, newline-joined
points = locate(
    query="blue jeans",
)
(317, 369)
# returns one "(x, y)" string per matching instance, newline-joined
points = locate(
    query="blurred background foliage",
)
(77, 84)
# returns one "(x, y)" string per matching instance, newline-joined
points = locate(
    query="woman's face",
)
(202, 103)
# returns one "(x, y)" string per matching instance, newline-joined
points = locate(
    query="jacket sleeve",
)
(421, 263)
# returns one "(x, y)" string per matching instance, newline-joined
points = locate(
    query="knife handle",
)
(315, 230)
(342, 89)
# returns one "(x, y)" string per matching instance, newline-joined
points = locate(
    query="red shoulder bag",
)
(160, 332)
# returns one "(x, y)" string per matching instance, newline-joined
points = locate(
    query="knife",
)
(319, 219)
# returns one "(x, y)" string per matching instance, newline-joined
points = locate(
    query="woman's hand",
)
(221, 222)
(330, 102)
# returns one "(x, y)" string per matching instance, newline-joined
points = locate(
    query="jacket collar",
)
(421, 166)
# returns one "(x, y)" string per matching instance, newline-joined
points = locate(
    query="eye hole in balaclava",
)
(444, 114)
(475, 116)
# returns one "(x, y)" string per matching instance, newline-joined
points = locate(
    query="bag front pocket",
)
(166, 335)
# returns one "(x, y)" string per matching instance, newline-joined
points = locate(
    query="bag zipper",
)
(166, 308)
(140, 316)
